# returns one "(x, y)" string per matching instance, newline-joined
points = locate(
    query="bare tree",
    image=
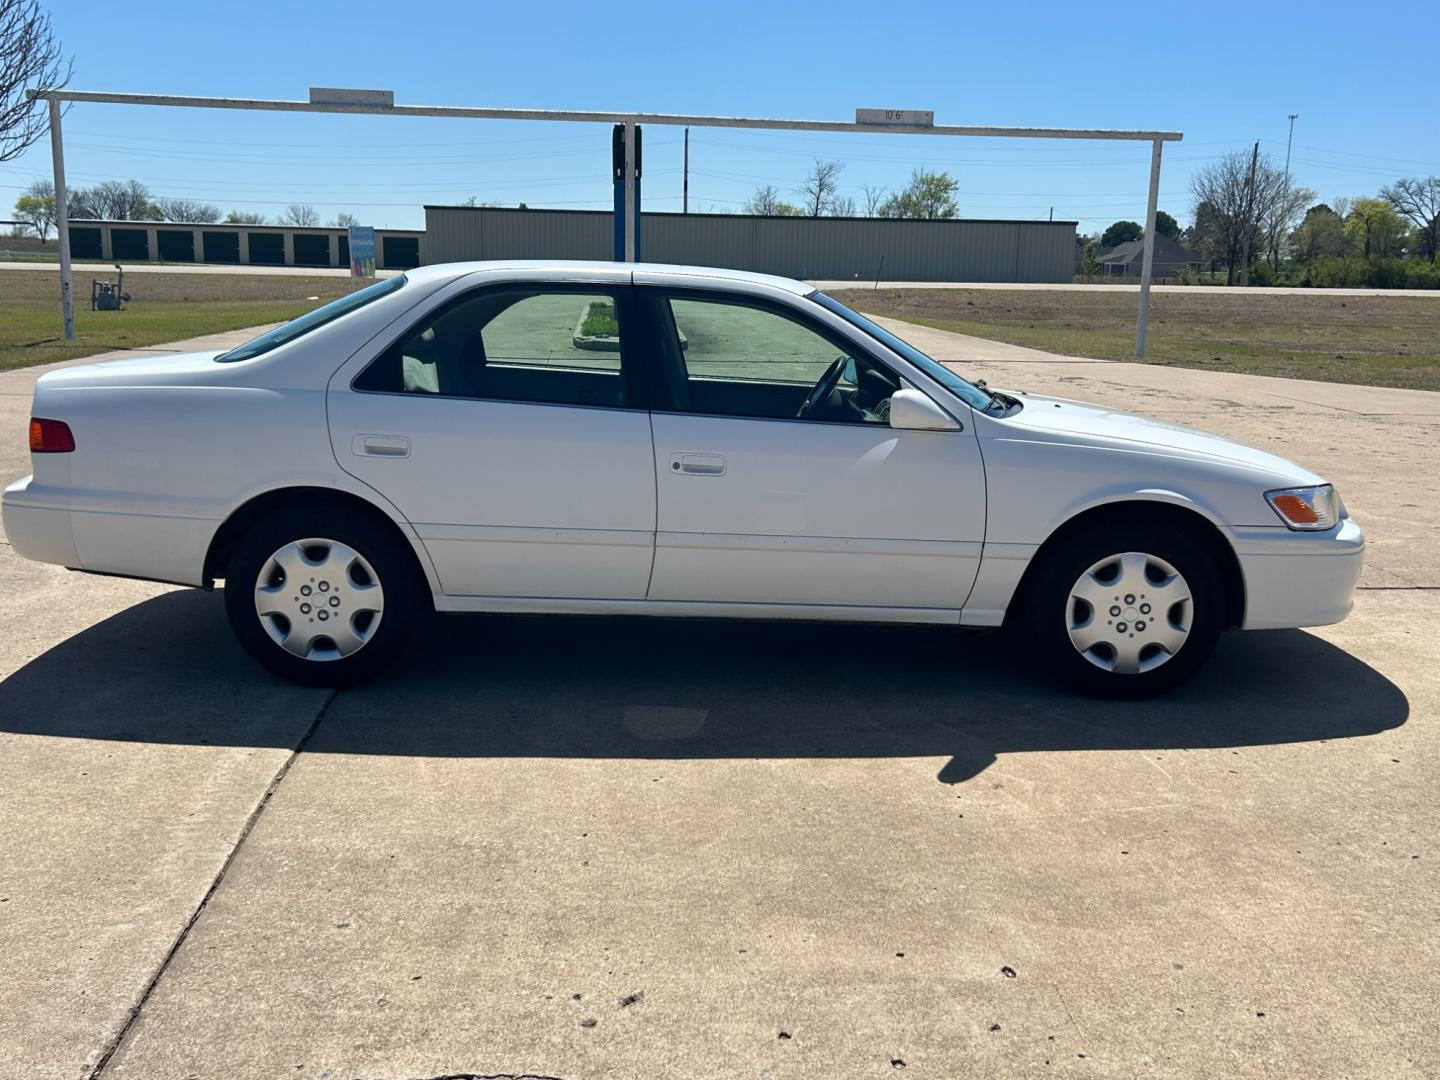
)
(1285, 209)
(766, 202)
(842, 206)
(1418, 200)
(30, 59)
(820, 187)
(300, 215)
(113, 200)
(1237, 204)
(186, 210)
(244, 217)
(875, 196)
(344, 220)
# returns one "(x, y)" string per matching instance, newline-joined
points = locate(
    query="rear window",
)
(295, 328)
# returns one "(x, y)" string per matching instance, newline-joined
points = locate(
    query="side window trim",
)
(633, 358)
(664, 342)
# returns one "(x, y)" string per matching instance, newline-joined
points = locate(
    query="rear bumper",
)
(37, 522)
(1299, 579)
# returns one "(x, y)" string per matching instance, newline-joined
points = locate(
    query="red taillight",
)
(50, 437)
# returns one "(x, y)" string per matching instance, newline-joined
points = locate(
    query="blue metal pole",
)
(639, 217)
(617, 157)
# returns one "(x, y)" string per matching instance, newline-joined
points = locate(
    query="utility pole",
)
(1288, 141)
(685, 205)
(1249, 210)
(1052, 213)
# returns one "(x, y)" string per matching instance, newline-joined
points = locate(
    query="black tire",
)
(1051, 608)
(405, 593)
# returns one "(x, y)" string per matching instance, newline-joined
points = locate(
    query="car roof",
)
(649, 273)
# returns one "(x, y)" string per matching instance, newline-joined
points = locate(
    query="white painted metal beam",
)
(588, 117)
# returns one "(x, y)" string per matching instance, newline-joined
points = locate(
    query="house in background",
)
(1170, 258)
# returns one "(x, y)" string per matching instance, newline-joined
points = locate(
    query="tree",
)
(929, 196)
(1237, 203)
(344, 220)
(244, 217)
(1089, 262)
(1122, 232)
(1419, 201)
(300, 215)
(874, 199)
(30, 59)
(1374, 229)
(1289, 202)
(766, 203)
(1320, 235)
(36, 208)
(1205, 235)
(1166, 226)
(821, 187)
(843, 206)
(113, 200)
(186, 210)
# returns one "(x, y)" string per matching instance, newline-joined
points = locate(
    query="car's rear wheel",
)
(323, 600)
(1126, 612)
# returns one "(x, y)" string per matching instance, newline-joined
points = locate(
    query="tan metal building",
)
(807, 248)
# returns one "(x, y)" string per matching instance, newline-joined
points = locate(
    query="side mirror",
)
(910, 410)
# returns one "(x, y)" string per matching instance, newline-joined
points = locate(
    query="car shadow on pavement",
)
(168, 671)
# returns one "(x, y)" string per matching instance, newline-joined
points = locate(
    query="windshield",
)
(967, 392)
(293, 329)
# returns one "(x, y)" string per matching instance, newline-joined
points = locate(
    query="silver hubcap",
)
(319, 599)
(1129, 613)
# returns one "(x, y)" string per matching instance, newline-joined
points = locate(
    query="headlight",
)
(1310, 509)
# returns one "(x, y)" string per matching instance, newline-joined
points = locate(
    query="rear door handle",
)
(380, 446)
(698, 464)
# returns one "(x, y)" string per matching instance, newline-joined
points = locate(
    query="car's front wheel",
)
(1127, 613)
(323, 600)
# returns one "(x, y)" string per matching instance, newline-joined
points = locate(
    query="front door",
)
(779, 478)
(509, 428)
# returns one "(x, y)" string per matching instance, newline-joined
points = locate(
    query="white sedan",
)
(660, 440)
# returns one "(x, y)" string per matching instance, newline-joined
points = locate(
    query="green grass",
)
(600, 320)
(1369, 340)
(163, 308)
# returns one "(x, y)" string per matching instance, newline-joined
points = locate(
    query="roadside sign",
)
(896, 117)
(341, 95)
(362, 251)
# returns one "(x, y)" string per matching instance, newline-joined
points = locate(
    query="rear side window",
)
(548, 346)
(286, 332)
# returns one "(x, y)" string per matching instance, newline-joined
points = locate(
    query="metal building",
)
(222, 242)
(866, 249)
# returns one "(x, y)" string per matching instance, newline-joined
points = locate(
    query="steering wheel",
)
(825, 387)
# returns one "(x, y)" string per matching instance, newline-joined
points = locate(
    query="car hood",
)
(1080, 421)
(188, 369)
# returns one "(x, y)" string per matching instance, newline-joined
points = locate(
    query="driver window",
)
(732, 359)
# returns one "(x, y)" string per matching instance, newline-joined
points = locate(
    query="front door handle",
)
(380, 446)
(698, 464)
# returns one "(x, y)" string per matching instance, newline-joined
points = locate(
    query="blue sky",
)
(1363, 82)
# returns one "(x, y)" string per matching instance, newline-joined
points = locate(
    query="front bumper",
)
(1298, 578)
(38, 523)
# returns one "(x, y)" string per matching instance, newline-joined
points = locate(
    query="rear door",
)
(508, 424)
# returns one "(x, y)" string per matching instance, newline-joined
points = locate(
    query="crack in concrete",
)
(1397, 588)
(134, 1015)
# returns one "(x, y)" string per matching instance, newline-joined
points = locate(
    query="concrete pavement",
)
(574, 848)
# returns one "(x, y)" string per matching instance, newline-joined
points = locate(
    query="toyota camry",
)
(660, 440)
